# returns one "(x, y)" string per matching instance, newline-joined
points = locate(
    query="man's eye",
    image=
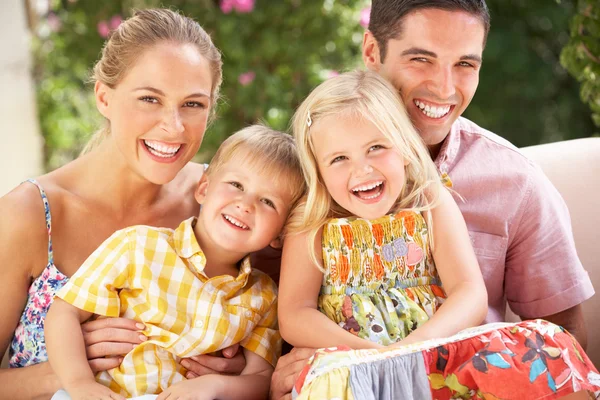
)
(236, 185)
(419, 59)
(269, 203)
(338, 159)
(149, 99)
(466, 64)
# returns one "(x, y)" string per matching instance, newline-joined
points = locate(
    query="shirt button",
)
(199, 324)
(248, 314)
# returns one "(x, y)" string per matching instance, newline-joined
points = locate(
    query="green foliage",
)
(289, 46)
(581, 56)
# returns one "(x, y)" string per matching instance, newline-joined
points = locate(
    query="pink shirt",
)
(518, 222)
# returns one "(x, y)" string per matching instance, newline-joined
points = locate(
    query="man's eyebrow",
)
(418, 51)
(471, 57)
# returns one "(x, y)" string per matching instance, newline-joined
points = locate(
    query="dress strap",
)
(48, 218)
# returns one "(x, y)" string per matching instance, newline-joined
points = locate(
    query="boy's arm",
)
(64, 343)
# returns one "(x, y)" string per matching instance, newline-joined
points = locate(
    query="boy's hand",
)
(286, 372)
(106, 338)
(91, 390)
(201, 388)
(232, 363)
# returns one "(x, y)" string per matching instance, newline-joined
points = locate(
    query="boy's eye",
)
(237, 185)
(268, 202)
(338, 159)
(149, 99)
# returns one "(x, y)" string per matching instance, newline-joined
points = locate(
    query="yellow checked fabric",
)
(155, 275)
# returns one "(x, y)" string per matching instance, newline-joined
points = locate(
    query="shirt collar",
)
(447, 155)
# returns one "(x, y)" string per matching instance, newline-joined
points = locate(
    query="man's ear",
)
(101, 92)
(370, 52)
(200, 192)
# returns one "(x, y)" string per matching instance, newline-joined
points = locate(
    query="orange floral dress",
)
(380, 281)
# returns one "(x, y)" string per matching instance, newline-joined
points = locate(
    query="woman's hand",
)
(232, 363)
(106, 339)
(202, 388)
(286, 372)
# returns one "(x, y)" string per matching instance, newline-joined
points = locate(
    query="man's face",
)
(435, 65)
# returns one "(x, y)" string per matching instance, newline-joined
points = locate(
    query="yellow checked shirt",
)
(155, 276)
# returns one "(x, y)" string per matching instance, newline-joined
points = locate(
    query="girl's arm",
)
(252, 384)
(467, 304)
(300, 323)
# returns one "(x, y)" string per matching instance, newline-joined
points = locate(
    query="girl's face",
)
(362, 170)
(159, 111)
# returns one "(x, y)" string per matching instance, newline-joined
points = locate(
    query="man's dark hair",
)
(387, 15)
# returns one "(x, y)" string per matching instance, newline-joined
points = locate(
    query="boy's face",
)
(434, 64)
(243, 208)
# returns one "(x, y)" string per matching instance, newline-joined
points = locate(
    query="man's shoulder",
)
(475, 139)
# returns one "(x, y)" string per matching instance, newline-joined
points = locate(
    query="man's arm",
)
(572, 320)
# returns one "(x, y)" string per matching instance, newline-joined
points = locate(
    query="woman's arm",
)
(300, 323)
(459, 271)
(23, 251)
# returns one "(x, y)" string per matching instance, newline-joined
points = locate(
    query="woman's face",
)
(159, 111)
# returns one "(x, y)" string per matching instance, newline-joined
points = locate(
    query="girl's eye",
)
(269, 203)
(236, 185)
(149, 99)
(376, 147)
(338, 159)
(194, 104)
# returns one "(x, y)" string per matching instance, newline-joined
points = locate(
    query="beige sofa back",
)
(573, 166)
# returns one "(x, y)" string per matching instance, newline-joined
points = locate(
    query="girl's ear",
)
(277, 243)
(200, 192)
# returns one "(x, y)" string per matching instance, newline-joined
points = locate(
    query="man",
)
(431, 51)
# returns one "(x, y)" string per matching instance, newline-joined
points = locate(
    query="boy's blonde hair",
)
(366, 95)
(273, 153)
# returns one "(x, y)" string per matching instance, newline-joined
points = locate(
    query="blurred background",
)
(540, 80)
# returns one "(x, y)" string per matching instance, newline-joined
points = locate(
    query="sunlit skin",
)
(434, 61)
(163, 102)
(353, 156)
(243, 210)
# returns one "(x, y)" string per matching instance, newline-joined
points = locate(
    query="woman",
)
(156, 84)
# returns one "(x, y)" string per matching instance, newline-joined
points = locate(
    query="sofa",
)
(573, 166)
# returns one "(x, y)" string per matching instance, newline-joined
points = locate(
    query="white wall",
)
(20, 140)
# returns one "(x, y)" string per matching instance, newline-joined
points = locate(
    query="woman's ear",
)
(101, 92)
(200, 192)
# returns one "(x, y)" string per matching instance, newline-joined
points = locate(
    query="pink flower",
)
(115, 21)
(365, 17)
(246, 78)
(244, 6)
(54, 22)
(241, 6)
(227, 6)
(103, 29)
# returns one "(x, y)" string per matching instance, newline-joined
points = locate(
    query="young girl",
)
(383, 227)
(378, 238)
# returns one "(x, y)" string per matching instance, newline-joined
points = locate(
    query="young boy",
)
(193, 287)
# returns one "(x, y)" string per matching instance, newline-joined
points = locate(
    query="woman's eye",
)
(236, 185)
(269, 203)
(194, 104)
(338, 159)
(149, 99)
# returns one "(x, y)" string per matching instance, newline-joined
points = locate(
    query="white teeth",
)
(432, 111)
(364, 188)
(235, 222)
(160, 149)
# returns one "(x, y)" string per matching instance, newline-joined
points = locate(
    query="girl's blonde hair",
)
(137, 34)
(365, 95)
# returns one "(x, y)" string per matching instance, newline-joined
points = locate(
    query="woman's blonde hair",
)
(365, 95)
(142, 31)
(273, 153)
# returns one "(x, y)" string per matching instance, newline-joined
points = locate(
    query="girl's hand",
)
(201, 388)
(232, 363)
(91, 390)
(107, 338)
